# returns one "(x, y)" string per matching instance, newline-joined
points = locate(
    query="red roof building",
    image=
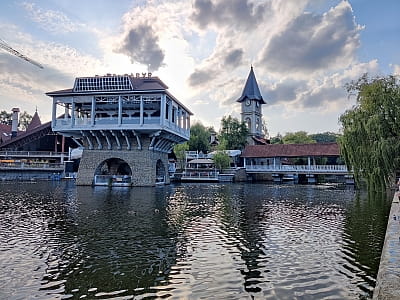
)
(291, 150)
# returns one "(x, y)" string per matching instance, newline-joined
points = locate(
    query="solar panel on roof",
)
(103, 83)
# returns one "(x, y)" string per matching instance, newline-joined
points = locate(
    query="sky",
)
(303, 52)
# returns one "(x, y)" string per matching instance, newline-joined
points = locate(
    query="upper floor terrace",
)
(138, 103)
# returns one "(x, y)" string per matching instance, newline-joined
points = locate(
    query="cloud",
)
(283, 91)
(396, 70)
(200, 77)
(240, 13)
(224, 59)
(51, 20)
(234, 57)
(141, 44)
(313, 42)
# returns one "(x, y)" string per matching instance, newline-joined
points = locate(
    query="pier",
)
(388, 279)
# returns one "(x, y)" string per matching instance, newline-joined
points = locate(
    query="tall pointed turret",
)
(251, 90)
(35, 122)
(252, 101)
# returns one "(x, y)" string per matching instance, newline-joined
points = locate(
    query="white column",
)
(66, 111)
(73, 112)
(162, 110)
(309, 163)
(141, 110)
(119, 110)
(170, 111)
(93, 111)
(184, 120)
(53, 113)
(179, 117)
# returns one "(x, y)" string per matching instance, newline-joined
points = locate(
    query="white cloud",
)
(396, 70)
(312, 42)
(51, 20)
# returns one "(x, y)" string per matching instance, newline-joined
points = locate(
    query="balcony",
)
(112, 123)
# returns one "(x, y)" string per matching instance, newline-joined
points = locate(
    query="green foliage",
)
(299, 137)
(5, 117)
(179, 151)
(370, 143)
(223, 145)
(278, 139)
(24, 120)
(325, 137)
(221, 160)
(233, 133)
(199, 138)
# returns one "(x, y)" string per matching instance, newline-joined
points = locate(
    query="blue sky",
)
(303, 52)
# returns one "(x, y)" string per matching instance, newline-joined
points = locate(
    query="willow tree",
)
(370, 143)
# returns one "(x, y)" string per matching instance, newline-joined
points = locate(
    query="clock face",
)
(248, 102)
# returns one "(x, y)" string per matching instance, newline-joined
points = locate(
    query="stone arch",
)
(113, 166)
(161, 172)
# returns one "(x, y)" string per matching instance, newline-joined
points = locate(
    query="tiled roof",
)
(251, 90)
(35, 122)
(5, 132)
(20, 138)
(291, 150)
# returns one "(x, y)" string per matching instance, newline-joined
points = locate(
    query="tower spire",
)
(251, 90)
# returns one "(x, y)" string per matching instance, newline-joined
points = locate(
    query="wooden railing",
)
(328, 169)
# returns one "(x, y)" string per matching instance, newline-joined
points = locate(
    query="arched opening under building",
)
(160, 172)
(113, 172)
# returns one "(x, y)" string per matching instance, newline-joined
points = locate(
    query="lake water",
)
(192, 241)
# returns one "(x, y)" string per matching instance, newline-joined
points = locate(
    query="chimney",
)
(14, 124)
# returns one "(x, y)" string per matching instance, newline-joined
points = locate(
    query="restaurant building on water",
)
(127, 124)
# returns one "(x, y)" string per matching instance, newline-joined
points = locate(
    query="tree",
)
(278, 139)
(299, 137)
(199, 138)
(5, 117)
(179, 151)
(221, 160)
(325, 137)
(370, 143)
(233, 132)
(24, 120)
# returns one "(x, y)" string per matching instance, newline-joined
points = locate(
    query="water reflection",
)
(230, 241)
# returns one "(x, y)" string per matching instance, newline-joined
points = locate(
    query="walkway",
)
(388, 279)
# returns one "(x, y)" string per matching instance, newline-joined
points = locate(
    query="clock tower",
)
(251, 101)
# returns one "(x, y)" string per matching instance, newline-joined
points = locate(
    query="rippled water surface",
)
(200, 241)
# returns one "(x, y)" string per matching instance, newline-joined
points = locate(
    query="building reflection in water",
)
(190, 241)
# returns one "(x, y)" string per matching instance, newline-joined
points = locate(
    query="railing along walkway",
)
(31, 154)
(316, 169)
(31, 166)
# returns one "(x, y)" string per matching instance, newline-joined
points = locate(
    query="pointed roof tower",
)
(251, 90)
(35, 122)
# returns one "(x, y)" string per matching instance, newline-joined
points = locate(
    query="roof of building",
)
(24, 137)
(35, 122)
(112, 84)
(251, 90)
(84, 85)
(5, 132)
(201, 161)
(291, 150)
